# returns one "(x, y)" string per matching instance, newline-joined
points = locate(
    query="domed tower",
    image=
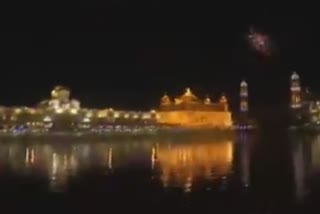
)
(223, 101)
(188, 96)
(165, 100)
(244, 97)
(295, 90)
(61, 93)
(207, 101)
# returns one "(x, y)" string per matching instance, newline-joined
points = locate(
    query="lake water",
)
(250, 173)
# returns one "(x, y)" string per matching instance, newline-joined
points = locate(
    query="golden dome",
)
(223, 99)
(60, 92)
(207, 100)
(188, 96)
(165, 100)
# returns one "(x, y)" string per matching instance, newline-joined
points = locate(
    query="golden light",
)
(146, 116)
(32, 111)
(47, 119)
(135, 116)
(74, 111)
(59, 110)
(185, 162)
(89, 114)
(86, 120)
(102, 114)
(116, 115)
(17, 111)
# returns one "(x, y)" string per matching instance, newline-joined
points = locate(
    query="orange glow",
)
(181, 164)
(196, 118)
(188, 110)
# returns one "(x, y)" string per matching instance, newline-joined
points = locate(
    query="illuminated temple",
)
(190, 111)
(60, 112)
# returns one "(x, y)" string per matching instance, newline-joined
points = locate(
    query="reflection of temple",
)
(181, 164)
(188, 110)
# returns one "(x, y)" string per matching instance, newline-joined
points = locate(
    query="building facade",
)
(304, 105)
(61, 113)
(244, 108)
(189, 111)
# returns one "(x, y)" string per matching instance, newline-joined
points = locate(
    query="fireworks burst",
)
(260, 42)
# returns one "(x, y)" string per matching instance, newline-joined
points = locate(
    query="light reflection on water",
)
(306, 163)
(181, 164)
(188, 165)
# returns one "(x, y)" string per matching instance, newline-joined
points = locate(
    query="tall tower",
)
(243, 97)
(295, 91)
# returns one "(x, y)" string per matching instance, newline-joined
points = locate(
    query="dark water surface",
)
(250, 173)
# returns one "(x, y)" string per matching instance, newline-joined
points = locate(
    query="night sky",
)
(127, 54)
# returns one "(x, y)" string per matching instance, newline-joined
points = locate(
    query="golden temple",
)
(190, 111)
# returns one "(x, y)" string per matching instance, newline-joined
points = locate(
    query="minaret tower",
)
(295, 91)
(243, 97)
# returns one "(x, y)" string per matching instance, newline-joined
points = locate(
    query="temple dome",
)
(223, 99)
(60, 93)
(207, 101)
(188, 96)
(165, 100)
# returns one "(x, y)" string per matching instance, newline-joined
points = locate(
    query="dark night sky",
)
(127, 55)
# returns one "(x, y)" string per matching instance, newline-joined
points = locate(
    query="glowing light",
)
(54, 166)
(110, 158)
(188, 184)
(18, 111)
(243, 84)
(188, 161)
(135, 116)
(146, 116)
(47, 119)
(89, 114)
(27, 156)
(32, 111)
(116, 115)
(102, 114)
(59, 110)
(294, 76)
(259, 42)
(74, 111)
(86, 120)
(32, 156)
(153, 157)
